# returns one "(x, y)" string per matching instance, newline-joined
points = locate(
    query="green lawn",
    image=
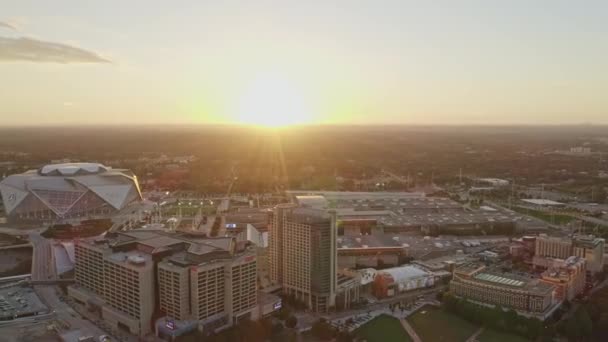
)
(489, 335)
(555, 218)
(434, 324)
(383, 328)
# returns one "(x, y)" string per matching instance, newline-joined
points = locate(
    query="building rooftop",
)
(404, 273)
(588, 241)
(479, 272)
(538, 201)
(492, 278)
(370, 241)
(69, 169)
(146, 243)
(19, 301)
(400, 209)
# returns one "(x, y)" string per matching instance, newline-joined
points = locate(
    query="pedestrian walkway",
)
(473, 337)
(410, 330)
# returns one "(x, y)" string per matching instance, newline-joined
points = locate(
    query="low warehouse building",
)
(392, 281)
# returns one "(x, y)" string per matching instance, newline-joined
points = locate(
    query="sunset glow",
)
(272, 101)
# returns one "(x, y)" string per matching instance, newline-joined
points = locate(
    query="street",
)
(43, 268)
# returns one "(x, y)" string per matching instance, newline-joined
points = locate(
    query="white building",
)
(62, 192)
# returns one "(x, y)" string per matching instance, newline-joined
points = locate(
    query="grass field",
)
(556, 218)
(496, 336)
(433, 324)
(383, 328)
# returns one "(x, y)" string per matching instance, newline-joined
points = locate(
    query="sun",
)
(272, 101)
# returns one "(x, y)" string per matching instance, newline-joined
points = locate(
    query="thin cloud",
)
(33, 50)
(7, 25)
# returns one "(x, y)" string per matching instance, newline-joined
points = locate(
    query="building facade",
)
(302, 255)
(392, 281)
(592, 249)
(120, 286)
(130, 277)
(553, 247)
(586, 246)
(568, 277)
(474, 282)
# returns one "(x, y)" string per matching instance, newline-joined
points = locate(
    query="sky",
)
(303, 62)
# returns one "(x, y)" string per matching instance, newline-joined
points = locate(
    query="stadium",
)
(67, 193)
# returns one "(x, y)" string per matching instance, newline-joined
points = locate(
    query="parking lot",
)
(17, 301)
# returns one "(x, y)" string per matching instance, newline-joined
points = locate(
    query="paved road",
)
(43, 263)
(43, 268)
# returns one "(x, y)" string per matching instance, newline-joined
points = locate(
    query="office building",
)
(586, 246)
(475, 282)
(130, 277)
(553, 247)
(302, 254)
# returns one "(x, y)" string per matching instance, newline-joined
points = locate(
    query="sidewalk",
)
(410, 331)
(473, 337)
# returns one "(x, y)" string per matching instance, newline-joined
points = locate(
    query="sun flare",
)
(273, 101)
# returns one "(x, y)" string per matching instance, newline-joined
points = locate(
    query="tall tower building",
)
(303, 254)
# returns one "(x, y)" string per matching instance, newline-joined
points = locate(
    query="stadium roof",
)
(70, 169)
(64, 188)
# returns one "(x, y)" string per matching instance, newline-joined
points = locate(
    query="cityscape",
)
(93, 251)
(269, 171)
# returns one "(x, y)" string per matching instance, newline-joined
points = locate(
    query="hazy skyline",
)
(351, 62)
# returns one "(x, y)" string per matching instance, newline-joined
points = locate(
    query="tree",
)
(283, 313)
(571, 330)
(291, 322)
(584, 322)
(322, 330)
(599, 194)
(344, 336)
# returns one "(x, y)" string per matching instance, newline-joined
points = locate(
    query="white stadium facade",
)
(68, 192)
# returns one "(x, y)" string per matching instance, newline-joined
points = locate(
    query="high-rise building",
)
(119, 284)
(211, 287)
(130, 277)
(303, 254)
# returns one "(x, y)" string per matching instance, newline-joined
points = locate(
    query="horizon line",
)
(315, 125)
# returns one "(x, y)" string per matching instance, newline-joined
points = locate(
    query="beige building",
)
(568, 277)
(302, 254)
(120, 286)
(473, 281)
(215, 288)
(586, 246)
(207, 283)
(553, 247)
